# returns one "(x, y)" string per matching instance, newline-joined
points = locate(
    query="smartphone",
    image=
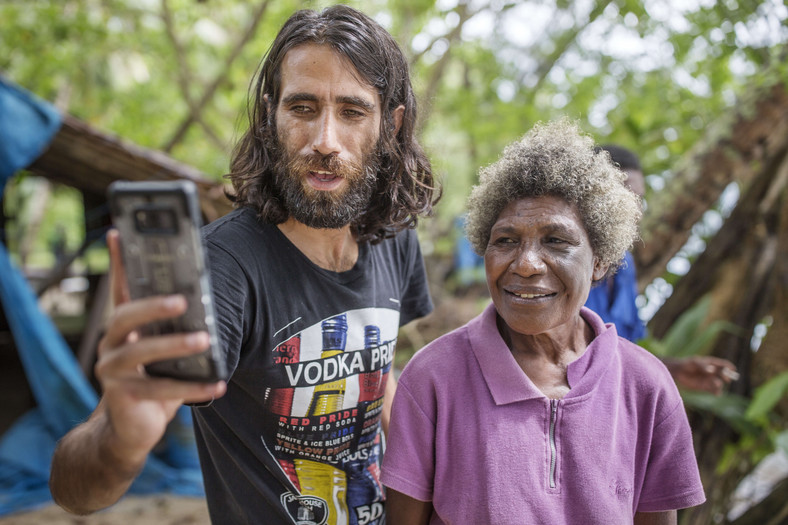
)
(159, 224)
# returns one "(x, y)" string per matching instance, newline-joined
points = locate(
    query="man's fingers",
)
(119, 290)
(164, 389)
(718, 367)
(134, 314)
(208, 393)
(729, 374)
(130, 356)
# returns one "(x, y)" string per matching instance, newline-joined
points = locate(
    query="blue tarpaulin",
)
(27, 125)
(63, 395)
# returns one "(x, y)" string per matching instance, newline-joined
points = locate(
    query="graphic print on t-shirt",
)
(326, 403)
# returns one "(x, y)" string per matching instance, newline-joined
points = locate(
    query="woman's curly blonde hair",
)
(557, 159)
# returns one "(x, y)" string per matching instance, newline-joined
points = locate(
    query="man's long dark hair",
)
(405, 188)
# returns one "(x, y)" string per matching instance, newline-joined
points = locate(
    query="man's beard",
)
(324, 209)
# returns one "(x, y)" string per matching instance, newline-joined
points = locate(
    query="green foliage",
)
(761, 429)
(731, 408)
(636, 75)
(690, 334)
(781, 441)
(766, 397)
(755, 420)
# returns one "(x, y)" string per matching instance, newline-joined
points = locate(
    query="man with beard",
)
(313, 273)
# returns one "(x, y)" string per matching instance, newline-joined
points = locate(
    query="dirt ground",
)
(131, 510)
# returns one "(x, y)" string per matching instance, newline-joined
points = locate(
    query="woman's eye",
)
(503, 240)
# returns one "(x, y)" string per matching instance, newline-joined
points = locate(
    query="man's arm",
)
(404, 510)
(702, 373)
(667, 517)
(87, 472)
(388, 399)
(96, 462)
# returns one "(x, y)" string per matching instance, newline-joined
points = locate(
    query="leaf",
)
(685, 329)
(766, 397)
(729, 407)
(781, 442)
(688, 336)
(700, 344)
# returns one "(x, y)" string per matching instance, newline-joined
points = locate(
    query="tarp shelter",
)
(34, 132)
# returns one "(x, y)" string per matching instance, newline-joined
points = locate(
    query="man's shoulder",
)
(403, 244)
(239, 226)
(443, 352)
(238, 218)
(404, 236)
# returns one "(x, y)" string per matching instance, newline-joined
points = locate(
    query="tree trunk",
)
(772, 510)
(752, 135)
(751, 228)
(743, 271)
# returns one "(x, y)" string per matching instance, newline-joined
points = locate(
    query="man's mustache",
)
(332, 163)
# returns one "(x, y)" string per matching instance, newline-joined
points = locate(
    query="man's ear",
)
(397, 114)
(267, 103)
(599, 270)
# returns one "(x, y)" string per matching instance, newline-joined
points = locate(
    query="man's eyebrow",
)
(357, 101)
(345, 99)
(299, 97)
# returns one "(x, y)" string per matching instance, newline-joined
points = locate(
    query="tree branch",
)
(440, 66)
(734, 145)
(562, 44)
(757, 206)
(247, 35)
(184, 76)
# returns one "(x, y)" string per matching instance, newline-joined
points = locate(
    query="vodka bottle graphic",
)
(323, 480)
(328, 397)
(370, 382)
(364, 490)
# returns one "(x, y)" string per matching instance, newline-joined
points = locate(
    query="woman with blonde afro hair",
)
(536, 411)
(557, 159)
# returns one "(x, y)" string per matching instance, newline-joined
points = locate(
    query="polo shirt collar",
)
(585, 373)
(505, 380)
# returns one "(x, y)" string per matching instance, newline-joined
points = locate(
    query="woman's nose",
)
(529, 260)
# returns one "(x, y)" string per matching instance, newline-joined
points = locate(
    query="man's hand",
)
(96, 462)
(702, 373)
(139, 407)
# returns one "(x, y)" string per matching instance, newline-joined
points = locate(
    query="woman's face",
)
(539, 264)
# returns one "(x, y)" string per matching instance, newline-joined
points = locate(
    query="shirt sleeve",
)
(623, 308)
(416, 300)
(672, 480)
(409, 461)
(231, 290)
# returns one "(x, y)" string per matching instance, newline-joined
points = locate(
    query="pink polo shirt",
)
(471, 433)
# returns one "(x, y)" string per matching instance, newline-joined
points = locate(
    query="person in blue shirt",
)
(614, 298)
(614, 301)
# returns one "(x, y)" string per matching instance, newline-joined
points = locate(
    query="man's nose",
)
(326, 140)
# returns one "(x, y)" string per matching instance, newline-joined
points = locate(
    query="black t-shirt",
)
(296, 438)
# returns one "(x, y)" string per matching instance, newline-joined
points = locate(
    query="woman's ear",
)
(599, 270)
